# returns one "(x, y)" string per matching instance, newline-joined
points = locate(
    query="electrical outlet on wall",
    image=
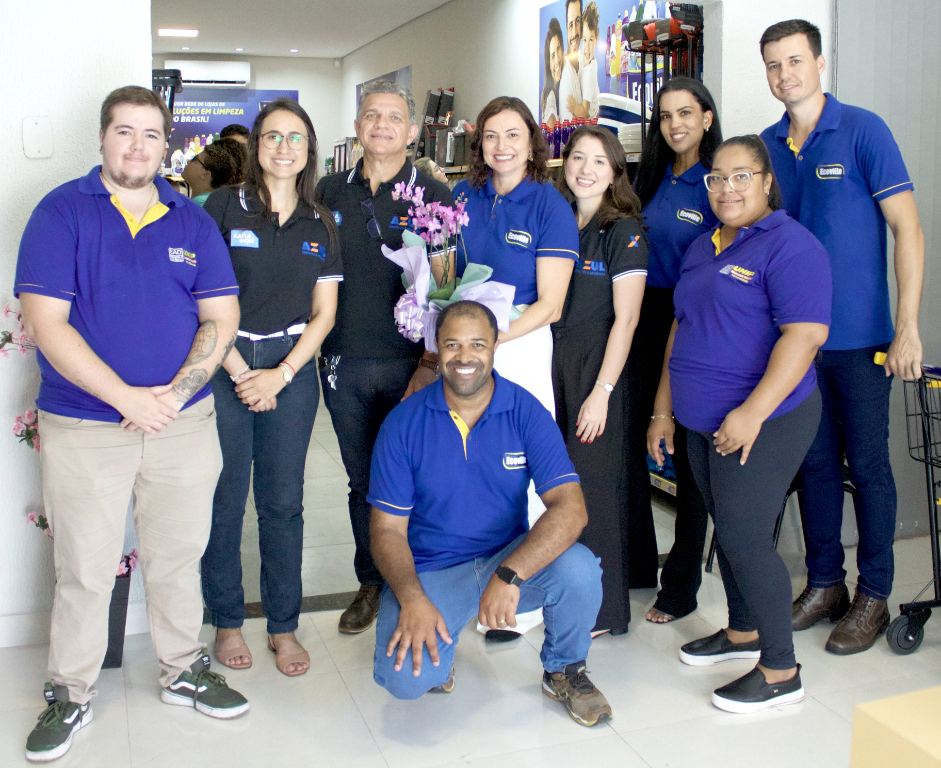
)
(37, 137)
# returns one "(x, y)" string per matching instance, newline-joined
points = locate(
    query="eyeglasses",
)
(372, 226)
(273, 139)
(197, 160)
(739, 182)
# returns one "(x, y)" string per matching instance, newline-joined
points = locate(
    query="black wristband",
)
(507, 576)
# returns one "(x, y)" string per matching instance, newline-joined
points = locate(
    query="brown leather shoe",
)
(816, 603)
(362, 611)
(860, 628)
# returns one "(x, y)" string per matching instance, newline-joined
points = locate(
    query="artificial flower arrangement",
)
(439, 228)
(19, 339)
(126, 564)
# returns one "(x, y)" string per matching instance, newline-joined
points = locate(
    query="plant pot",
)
(117, 621)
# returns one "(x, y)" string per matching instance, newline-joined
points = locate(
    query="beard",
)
(121, 179)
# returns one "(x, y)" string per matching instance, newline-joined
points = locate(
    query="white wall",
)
(316, 81)
(732, 66)
(63, 71)
(483, 48)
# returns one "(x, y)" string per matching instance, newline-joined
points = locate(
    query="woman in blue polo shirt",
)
(284, 247)
(682, 139)
(752, 308)
(592, 341)
(522, 227)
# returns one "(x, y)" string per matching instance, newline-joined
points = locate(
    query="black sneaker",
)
(206, 691)
(753, 693)
(718, 648)
(52, 736)
(586, 704)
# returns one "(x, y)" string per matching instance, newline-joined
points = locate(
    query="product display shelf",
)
(664, 484)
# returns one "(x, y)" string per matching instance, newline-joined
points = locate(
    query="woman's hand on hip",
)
(592, 416)
(739, 429)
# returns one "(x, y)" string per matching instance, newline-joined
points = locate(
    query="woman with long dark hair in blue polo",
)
(681, 141)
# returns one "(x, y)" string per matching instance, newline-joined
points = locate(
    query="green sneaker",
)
(586, 704)
(52, 736)
(206, 691)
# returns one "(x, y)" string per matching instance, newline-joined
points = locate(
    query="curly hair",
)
(225, 161)
(537, 165)
(619, 200)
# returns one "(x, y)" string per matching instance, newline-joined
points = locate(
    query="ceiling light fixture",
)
(177, 32)
(294, 50)
(238, 49)
(185, 48)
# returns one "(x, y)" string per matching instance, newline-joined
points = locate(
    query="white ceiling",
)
(317, 28)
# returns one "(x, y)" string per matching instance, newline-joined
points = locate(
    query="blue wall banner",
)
(583, 63)
(199, 113)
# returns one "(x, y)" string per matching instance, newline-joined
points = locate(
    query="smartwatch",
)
(286, 372)
(507, 576)
(609, 388)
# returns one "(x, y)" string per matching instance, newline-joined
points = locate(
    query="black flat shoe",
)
(501, 635)
(718, 648)
(753, 693)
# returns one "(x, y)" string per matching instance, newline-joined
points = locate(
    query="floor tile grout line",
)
(363, 718)
(621, 737)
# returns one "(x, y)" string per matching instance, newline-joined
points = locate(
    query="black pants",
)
(744, 503)
(682, 572)
(576, 361)
(359, 392)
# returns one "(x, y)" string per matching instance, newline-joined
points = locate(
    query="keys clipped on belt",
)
(332, 363)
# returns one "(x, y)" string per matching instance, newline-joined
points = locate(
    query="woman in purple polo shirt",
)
(683, 136)
(752, 307)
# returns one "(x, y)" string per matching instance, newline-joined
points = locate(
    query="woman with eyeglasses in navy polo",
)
(752, 308)
(287, 262)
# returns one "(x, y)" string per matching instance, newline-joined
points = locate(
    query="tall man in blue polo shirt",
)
(843, 177)
(129, 292)
(448, 489)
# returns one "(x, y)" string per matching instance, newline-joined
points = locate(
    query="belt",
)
(294, 330)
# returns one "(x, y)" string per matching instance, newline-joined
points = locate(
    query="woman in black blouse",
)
(592, 341)
(286, 257)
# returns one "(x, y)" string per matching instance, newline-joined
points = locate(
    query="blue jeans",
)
(855, 422)
(568, 590)
(359, 392)
(276, 442)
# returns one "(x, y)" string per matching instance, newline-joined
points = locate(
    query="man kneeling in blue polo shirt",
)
(449, 531)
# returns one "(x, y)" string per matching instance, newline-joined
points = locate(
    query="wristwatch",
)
(431, 365)
(507, 576)
(286, 372)
(609, 388)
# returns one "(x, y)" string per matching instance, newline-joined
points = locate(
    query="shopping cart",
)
(923, 420)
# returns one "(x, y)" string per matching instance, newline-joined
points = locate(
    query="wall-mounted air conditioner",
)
(217, 74)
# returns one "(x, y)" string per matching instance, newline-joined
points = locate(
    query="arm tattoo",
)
(204, 343)
(188, 386)
(87, 388)
(225, 352)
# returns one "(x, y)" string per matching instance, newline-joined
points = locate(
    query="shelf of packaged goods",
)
(455, 169)
(668, 486)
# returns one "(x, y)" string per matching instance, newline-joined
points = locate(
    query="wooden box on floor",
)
(901, 730)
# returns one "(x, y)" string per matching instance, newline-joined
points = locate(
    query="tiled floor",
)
(335, 715)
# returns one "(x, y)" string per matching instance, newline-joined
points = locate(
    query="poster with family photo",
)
(587, 68)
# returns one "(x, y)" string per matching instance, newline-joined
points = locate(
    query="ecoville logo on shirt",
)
(688, 214)
(182, 256)
(831, 171)
(516, 237)
(314, 249)
(514, 460)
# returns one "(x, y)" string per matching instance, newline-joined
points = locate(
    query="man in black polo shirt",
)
(367, 366)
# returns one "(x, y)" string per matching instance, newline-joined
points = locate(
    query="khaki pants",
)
(90, 471)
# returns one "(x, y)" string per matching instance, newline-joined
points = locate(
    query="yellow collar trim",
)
(155, 211)
(791, 146)
(462, 428)
(717, 240)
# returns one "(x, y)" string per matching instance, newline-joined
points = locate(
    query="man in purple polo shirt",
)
(128, 290)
